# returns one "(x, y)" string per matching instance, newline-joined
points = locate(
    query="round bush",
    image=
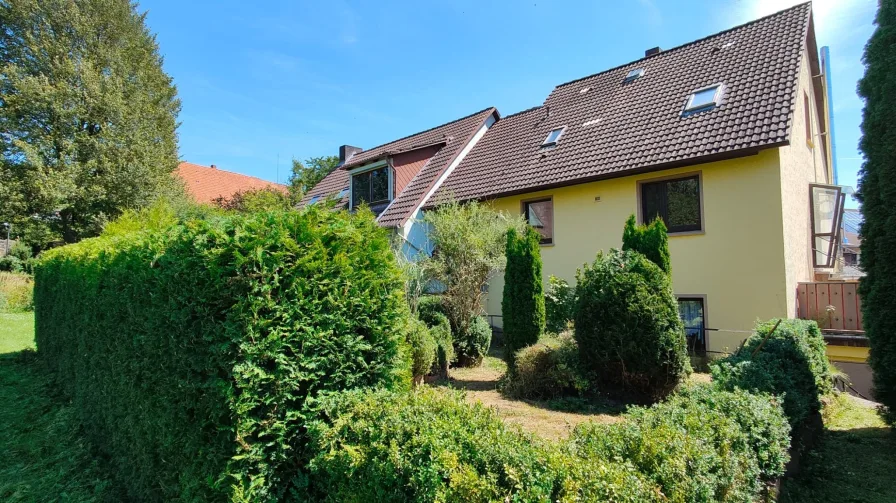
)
(422, 348)
(473, 345)
(549, 369)
(630, 337)
(429, 307)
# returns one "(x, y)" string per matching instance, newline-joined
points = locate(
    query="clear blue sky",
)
(298, 79)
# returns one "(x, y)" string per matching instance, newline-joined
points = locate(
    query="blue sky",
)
(298, 79)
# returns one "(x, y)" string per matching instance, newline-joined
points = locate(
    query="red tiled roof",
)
(614, 128)
(454, 135)
(206, 184)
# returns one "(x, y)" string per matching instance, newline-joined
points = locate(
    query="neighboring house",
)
(852, 245)
(725, 138)
(208, 183)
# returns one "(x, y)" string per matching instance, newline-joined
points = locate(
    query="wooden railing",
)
(835, 306)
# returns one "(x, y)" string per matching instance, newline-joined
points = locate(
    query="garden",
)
(295, 356)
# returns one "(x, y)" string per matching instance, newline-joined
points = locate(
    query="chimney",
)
(347, 151)
(652, 52)
(213, 166)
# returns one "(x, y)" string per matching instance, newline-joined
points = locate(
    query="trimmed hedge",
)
(702, 446)
(190, 351)
(791, 362)
(522, 303)
(430, 445)
(549, 369)
(631, 339)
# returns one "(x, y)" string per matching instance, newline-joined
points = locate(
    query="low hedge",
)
(791, 362)
(701, 446)
(548, 369)
(430, 445)
(190, 351)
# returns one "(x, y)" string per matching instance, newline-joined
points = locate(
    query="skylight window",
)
(634, 74)
(342, 193)
(704, 99)
(553, 137)
(313, 200)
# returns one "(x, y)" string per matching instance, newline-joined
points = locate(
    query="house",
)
(725, 138)
(852, 245)
(208, 183)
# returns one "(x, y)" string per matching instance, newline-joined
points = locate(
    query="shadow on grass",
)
(45, 455)
(856, 465)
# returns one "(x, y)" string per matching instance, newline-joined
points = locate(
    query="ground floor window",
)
(691, 310)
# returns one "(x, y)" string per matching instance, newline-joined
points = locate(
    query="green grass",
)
(854, 463)
(44, 457)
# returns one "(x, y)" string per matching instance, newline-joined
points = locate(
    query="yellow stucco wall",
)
(847, 354)
(737, 262)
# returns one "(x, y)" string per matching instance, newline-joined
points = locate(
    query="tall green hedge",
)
(522, 305)
(650, 240)
(190, 351)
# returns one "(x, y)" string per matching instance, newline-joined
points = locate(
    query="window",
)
(690, 309)
(540, 215)
(704, 99)
(676, 201)
(370, 187)
(342, 193)
(634, 74)
(313, 200)
(808, 119)
(553, 136)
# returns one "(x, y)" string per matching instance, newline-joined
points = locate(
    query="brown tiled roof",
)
(206, 184)
(454, 134)
(615, 128)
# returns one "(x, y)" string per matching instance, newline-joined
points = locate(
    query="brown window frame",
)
(703, 303)
(701, 228)
(524, 206)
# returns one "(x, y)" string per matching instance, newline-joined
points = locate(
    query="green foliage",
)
(305, 176)
(429, 307)
(522, 305)
(8, 263)
(877, 193)
(255, 200)
(432, 446)
(422, 346)
(16, 292)
(190, 351)
(791, 363)
(627, 326)
(695, 446)
(473, 344)
(88, 117)
(414, 273)
(469, 242)
(20, 251)
(651, 240)
(559, 305)
(547, 370)
(441, 334)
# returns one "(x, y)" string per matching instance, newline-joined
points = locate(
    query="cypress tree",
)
(877, 193)
(88, 116)
(522, 305)
(650, 240)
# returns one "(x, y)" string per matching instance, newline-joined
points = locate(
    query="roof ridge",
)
(231, 172)
(521, 112)
(426, 130)
(682, 46)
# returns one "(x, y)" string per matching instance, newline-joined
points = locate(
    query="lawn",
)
(44, 457)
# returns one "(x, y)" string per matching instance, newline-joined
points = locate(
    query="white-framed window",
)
(704, 98)
(634, 74)
(553, 136)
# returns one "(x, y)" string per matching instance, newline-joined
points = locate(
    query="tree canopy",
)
(306, 175)
(88, 117)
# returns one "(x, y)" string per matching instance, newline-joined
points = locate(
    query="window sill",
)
(546, 245)
(699, 232)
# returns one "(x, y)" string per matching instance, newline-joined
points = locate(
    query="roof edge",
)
(231, 172)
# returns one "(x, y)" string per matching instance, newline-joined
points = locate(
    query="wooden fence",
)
(835, 306)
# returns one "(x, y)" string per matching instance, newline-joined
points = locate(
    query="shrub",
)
(428, 309)
(430, 445)
(697, 447)
(791, 362)
(20, 251)
(549, 369)
(471, 346)
(10, 263)
(522, 306)
(441, 334)
(190, 351)
(422, 347)
(559, 305)
(16, 292)
(650, 240)
(627, 326)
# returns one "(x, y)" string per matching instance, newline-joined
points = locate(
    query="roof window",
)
(342, 193)
(313, 200)
(704, 98)
(553, 137)
(634, 74)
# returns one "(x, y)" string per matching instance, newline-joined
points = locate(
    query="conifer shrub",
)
(546, 370)
(190, 350)
(791, 362)
(471, 346)
(631, 339)
(441, 334)
(522, 305)
(650, 240)
(559, 305)
(428, 307)
(422, 347)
